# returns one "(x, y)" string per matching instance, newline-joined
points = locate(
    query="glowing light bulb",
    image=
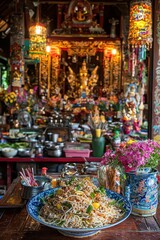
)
(114, 51)
(38, 29)
(48, 48)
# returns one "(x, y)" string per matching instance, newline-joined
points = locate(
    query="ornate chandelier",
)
(140, 27)
(37, 35)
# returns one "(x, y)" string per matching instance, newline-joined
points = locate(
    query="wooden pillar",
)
(27, 22)
(102, 16)
(59, 17)
(154, 121)
(17, 50)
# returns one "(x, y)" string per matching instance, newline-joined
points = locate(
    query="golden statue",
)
(83, 73)
(93, 78)
(72, 76)
(85, 83)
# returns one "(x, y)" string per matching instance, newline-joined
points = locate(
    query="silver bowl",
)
(55, 151)
(24, 152)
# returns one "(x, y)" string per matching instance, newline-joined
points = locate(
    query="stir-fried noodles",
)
(80, 204)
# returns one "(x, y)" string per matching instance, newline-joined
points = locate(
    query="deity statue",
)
(132, 107)
(132, 95)
(86, 82)
(93, 78)
(80, 16)
(81, 11)
(83, 73)
(71, 77)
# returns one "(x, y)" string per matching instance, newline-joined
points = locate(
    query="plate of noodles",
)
(79, 208)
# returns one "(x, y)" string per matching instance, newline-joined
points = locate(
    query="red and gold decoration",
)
(140, 37)
(140, 30)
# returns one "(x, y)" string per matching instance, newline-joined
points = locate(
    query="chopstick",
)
(28, 176)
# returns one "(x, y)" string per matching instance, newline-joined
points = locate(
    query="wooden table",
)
(16, 224)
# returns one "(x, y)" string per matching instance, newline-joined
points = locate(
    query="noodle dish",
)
(79, 208)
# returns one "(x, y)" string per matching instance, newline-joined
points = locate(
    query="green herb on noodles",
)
(78, 187)
(89, 209)
(92, 195)
(70, 181)
(67, 204)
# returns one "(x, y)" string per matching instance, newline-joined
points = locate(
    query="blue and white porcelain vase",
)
(142, 191)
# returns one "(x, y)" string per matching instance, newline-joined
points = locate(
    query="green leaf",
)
(118, 204)
(112, 203)
(89, 209)
(92, 195)
(71, 180)
(61, 223)
(78, 187)
(67, 204)
(102, 189)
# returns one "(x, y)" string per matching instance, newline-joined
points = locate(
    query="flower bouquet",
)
(10, 99)
(134, 156)
(138, 183)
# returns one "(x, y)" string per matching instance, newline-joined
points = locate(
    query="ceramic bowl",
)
(35, 204)
(9, 152)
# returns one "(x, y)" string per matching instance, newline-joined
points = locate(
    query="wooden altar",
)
(81, 35)
(68, 53)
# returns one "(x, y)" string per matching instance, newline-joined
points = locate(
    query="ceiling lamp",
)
(37, 35)
(140, 27)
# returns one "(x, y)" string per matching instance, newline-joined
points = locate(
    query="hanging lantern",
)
(37, 34)
(140, 29)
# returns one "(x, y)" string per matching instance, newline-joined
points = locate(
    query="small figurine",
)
(113, 22)
(83, 73)
(132, 102)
